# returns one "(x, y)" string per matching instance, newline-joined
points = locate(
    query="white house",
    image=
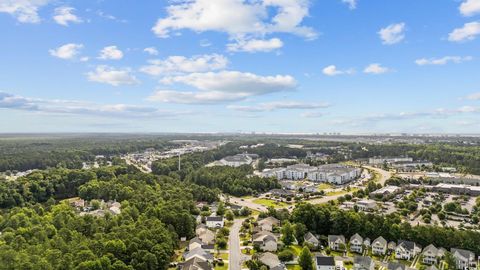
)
(406, 250)
(464, 259)
(363, 263)
(356, 243)
(268, 223)
(214, 222)
(336, 242)
(325, 263)
(430, 254)
(379, 246)
(267, 241)
(271, 260)
(310, 238)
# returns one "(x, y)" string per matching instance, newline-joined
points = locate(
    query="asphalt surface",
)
(235, 257)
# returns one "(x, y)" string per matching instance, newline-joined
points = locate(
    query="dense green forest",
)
(234, 181)
(38, 233)
(37, 152)
(465, 158)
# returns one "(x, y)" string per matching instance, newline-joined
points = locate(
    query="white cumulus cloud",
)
(25, 11)
(234, 81)
(376, 69)
(278, 105)
(255, 45)
(469, 31)
(69, 107)
(110, 53)
(112, 76)
(443, 61)
(333, 71)
(182, 64)
(151, 50)
(238, 18)
(470, 7)
(223, 86)
(474, 96)
(64, 15)
(392, 34)
(189, 97)
(68, 51)
(352, 4)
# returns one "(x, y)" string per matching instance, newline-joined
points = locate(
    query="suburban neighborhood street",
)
(235, 257)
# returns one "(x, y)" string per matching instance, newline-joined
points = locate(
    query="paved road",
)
(235, 257)
(248, 203)
(384, 175)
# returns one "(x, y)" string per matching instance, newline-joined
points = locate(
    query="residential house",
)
(267, 241)
(206, 236)
(464, 259)
(268, 223)
(200, 228)
(379, 246)
(271, 260)
(336, 242)
(194, 243)
(396, 266)
(356, 243)
(430, 254)
(209, 248)
(311, 239)
(214, 222)
(195, 263)
(325, 263)
(406, 250)
(198, 253)
(391, 246)
(363, 263)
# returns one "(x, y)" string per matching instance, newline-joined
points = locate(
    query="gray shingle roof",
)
(324, 260)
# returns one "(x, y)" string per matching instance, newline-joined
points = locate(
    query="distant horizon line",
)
(373, 134)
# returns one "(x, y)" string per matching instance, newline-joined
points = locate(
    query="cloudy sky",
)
(351, 66)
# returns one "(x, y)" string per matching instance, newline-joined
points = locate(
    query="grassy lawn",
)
(324, 186)
(337, 192)
(268, 202)
(341, 192)
(336, 253)
(224, 267)
(295, 249)
(244, 251)
(223, 256)
(294, 267)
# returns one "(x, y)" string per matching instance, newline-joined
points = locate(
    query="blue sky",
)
(284, 66)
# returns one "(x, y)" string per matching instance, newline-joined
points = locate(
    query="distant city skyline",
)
(274, 66)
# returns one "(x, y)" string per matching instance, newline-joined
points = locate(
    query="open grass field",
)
(324, 186)
(268, 203)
